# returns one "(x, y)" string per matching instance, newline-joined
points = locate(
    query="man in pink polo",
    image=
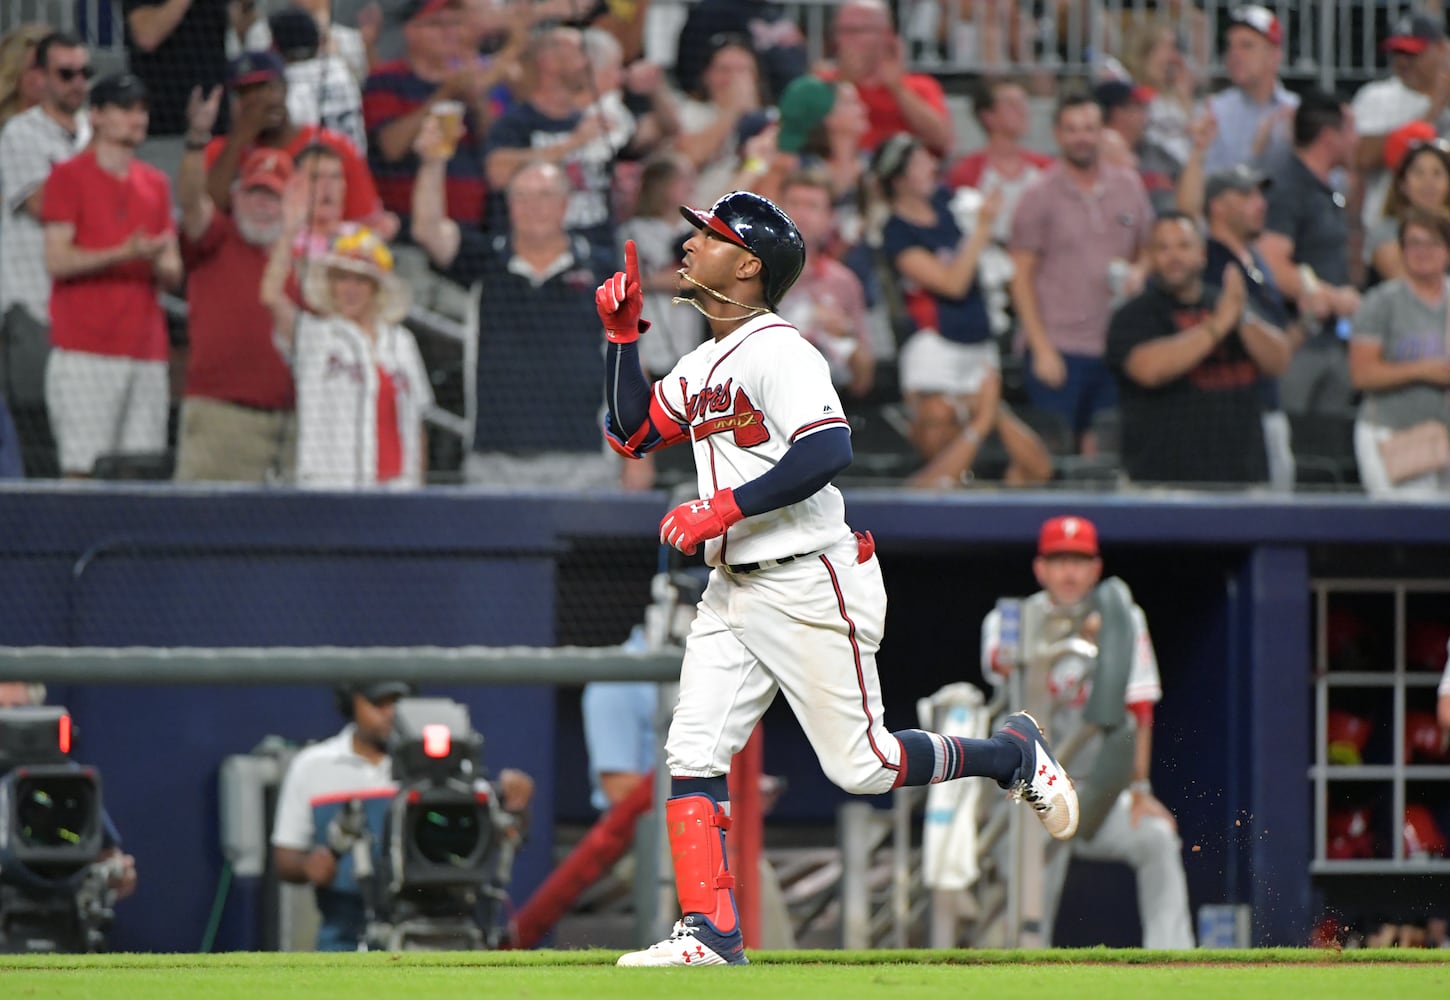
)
(1079, 240)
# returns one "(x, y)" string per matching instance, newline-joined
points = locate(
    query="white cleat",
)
(1042, 783)
(692, 942)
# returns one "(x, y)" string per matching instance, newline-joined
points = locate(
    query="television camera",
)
(56, 891)
(441, 871)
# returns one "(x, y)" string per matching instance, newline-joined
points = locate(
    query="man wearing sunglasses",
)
(31, 143)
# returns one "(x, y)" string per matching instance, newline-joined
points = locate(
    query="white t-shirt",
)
(346, 43)
(1444, 690)
(336, 371)
(746, 400)
(30, 144)
(324, 770)
(323, 92)
(714, 176)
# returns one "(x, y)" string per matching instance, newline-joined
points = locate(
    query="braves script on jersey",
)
(747, 399)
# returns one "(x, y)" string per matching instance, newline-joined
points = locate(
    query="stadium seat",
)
(1323, 446)
(879, 440)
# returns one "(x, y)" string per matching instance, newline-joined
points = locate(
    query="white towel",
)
(949, 835)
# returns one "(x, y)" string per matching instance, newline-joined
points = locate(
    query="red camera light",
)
(437, 740)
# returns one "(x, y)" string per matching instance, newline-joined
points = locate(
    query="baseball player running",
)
(795, 601)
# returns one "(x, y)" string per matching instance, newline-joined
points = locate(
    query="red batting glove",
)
(691, 523)
(620, 301)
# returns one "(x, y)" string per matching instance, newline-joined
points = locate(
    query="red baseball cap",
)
(1068, 535)
(1398, 142)
(1413, 34)
(1258, 18)
(266, 168)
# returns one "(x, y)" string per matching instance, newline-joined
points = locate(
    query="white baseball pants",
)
(809, 628)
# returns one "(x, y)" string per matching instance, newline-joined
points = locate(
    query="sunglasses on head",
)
(1437, 144)
(68, 73)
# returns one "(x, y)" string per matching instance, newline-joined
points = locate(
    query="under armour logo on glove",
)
(698, 521)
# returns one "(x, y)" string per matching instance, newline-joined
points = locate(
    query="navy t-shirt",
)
(540, 384)
(1262, 295)
(589, 169)
(964, 319)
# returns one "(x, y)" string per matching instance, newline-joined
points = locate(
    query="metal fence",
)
(1331, 42)
(1335, 43)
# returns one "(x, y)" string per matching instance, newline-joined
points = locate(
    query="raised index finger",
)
(631, 263)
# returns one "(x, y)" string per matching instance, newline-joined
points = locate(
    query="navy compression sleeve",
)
(625, 389)
(808, 465)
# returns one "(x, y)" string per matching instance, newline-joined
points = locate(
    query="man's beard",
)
(256, 234)
(1083, 161)
(1177, 286)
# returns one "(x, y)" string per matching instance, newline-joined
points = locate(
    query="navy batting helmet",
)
(757, 224)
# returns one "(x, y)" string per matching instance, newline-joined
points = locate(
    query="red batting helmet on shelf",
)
(1423, 836)
(1350, 835)
(1425, 645)
(1423, 742)
(1347, 735)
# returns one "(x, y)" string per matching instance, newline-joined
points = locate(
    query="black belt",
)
(764, 563)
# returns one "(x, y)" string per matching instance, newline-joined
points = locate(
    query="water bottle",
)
(1009, 631)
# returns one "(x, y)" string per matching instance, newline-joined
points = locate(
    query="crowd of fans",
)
(1240, 288)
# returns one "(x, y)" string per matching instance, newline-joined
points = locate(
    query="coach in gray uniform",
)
(1084, 646)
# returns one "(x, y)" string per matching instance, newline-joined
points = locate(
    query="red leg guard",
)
(697, 828)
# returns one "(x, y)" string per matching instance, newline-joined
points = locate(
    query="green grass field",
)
(829, 975)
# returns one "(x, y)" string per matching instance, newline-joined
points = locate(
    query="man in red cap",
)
(1091, 640)
(1418, 88)
(236, 417)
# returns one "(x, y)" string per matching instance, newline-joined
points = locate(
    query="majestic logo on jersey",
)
(741, 417)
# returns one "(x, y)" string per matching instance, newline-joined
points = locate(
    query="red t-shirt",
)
(361, 200)
(885, 114)
(115, 311)
(390, 440)
(232, 356)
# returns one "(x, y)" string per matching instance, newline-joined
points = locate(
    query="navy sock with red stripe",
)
(932, 757)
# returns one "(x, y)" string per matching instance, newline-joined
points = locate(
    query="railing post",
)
(853, 821)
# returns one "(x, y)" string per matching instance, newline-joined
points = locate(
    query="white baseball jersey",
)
(335, 367)
(747, 399)
(1444, 689)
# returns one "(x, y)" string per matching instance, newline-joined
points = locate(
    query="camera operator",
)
(321, 811)
(120, 867)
